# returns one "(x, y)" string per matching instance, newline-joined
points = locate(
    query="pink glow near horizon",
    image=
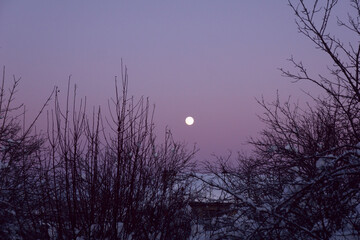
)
(206, 59)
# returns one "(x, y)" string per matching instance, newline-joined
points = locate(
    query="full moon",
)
(189, 121)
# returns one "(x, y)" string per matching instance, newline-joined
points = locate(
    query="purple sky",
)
(207, 59)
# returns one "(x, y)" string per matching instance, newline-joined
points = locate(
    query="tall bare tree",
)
(302, 180)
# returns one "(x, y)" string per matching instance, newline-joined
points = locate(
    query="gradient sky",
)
(207, 59)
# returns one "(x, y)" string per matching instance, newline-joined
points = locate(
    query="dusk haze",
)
(207, 59)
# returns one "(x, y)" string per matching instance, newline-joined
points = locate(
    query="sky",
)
(207, 59)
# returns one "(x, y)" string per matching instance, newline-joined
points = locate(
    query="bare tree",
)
(109, 178)
(20, 150)
(91, 177)
(302, 180)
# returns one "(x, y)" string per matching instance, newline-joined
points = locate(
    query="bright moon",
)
(189, 121)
